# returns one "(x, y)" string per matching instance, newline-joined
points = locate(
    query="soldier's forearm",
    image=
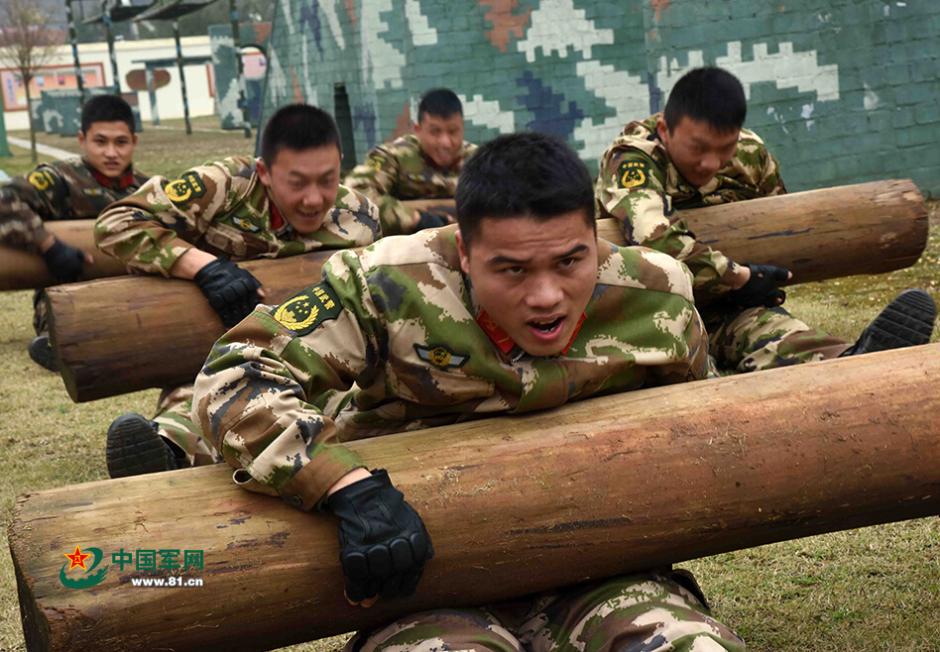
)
(189, 264)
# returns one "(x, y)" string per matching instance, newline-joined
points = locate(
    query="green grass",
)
(864, 590)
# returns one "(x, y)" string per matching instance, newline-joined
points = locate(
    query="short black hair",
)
(297, 127)
(106, 108)
(524, 174)
(711, 95)
(439, 102)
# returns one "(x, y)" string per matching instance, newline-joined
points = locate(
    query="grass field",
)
(864, 590)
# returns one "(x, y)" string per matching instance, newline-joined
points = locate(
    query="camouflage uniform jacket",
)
(222, 208)
(398, 171)
(69, 189)
(639, 186)
(391, 339)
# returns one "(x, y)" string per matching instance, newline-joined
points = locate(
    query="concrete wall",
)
(169, 98)
(842, 90)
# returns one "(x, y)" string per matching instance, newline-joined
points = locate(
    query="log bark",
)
(21, 270)
(514, 505)
(123, 335)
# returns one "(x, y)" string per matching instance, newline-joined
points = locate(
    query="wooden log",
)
(124, 335)
(888, 221)
(20, 270)
(514, 505)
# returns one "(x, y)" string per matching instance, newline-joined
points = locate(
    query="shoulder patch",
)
(440, 356)
(632, 174)
(183, 190)
(41, 180)
(308, 309)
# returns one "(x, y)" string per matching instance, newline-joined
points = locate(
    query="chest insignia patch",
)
(245, 224)
(440, 356)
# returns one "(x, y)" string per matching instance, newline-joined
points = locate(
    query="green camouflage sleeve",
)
(377, 179)
(25, 202)
(630, 189)
(149, 230)
(771, 183)
(270, 386)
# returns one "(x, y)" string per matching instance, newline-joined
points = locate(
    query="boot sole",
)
(135, 448)
(906, 321)
(40, 351)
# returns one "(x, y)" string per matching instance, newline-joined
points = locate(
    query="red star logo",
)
(77, 558)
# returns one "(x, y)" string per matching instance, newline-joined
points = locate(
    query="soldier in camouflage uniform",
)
(71, 189)
(521, 309)
(287, 202)
(422, 165)
(696, 154)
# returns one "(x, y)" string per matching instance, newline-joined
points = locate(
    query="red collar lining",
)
(505, 343)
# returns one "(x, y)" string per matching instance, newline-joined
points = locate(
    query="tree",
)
(26, 44)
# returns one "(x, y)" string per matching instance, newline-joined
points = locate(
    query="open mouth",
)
(546, 328)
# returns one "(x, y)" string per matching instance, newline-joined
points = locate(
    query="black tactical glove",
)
(232, 291)
(762, 289)
(383, 542)
(64, 261)
(431, 220)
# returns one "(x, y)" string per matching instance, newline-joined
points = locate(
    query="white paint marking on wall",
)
(381, 62)
(772, 112)
(487, 113)
(277, 80)
(870, 99)
(786, 68)
(627, 94)
(806, 113)
(286, 14)
(556, 26)
(421, 31)
(332, 19)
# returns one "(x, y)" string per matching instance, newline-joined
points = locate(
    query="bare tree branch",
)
(26, 44)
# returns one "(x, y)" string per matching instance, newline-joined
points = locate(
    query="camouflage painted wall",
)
(225, 69)
(842, 90)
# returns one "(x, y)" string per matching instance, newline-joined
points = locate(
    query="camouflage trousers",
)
(175, 424)
(40, 316)
(649, 612)
(764, 338)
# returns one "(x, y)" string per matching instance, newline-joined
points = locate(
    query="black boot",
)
(135, 448)
(40, 351)
(906, 321)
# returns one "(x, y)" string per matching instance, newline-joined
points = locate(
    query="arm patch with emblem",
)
(309, 308)
(40, 179)
(185, 189)
(633, 174)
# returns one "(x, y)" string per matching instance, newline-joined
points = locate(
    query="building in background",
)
(96, 71)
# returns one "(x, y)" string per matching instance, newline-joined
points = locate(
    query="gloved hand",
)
(64, 261)
(762, 289)
(232, 291)
(431, 220)
(383, 541)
